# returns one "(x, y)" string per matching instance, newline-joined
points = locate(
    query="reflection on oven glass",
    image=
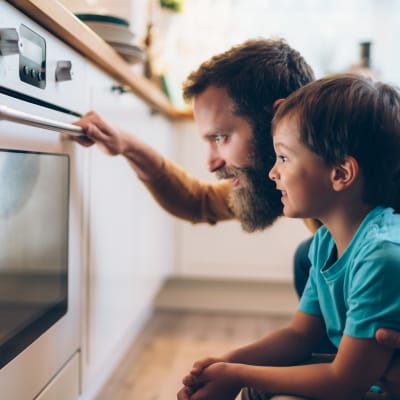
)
(19, 176)
(34, 201)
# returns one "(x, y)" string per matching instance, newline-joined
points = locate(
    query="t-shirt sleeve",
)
(373, 299)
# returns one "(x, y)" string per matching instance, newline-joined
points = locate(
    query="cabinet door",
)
(129, 239)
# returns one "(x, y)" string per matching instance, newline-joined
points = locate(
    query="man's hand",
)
(391, 380)
(388, 337)
(108, 138)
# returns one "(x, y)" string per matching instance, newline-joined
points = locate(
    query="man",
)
(234, 95)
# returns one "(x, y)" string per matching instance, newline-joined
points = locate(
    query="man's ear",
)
(344, 174)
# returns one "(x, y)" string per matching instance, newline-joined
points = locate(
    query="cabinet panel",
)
(65, 385)
(129, 238)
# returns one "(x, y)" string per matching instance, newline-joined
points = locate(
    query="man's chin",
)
(252, 220)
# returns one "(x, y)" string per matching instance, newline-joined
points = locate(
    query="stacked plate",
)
(116, 32)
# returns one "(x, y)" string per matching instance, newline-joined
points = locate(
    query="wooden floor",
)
(169, 344)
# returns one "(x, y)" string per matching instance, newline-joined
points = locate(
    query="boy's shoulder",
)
(383, 224)
(380, 230)
(380, 235)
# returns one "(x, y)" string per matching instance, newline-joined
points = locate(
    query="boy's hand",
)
(213, 382)
(200, 365)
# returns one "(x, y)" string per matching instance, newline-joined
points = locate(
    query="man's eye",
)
(219, 138)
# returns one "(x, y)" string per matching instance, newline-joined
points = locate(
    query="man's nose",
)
(215, 163)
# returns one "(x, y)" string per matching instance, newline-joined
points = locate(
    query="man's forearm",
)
(145, 161)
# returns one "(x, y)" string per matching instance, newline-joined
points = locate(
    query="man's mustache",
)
(228, 172)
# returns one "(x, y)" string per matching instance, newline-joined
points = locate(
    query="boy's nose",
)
(272, 173)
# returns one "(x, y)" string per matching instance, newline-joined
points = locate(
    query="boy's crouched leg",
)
(252, 394)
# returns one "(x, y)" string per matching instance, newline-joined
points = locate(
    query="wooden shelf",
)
(61, 22)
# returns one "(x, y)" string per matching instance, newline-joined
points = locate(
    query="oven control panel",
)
(38, 66)
(32, 58)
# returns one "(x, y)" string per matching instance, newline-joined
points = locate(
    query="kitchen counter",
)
(60, 21)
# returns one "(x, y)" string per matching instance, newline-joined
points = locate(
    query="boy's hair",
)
(348, 115)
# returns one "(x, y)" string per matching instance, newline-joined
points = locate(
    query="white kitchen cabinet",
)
(129, 238)
(65, 385)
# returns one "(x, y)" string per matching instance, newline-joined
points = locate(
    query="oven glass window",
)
(34, 202)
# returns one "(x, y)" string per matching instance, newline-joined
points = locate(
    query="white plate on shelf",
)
(130, 52)
(112, 33)
(110, 28)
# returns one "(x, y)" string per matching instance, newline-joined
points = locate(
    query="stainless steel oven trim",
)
(13, 115)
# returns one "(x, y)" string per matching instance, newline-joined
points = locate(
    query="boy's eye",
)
(282, 158)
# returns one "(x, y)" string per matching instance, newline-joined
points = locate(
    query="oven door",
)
(40, 293)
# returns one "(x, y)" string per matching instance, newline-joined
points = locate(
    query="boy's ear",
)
(344, 174)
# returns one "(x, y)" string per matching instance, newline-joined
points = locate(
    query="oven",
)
(42, 91)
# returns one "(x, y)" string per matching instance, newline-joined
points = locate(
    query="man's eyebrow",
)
(216, 132)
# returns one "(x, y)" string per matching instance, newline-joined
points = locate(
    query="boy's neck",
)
(344, 223)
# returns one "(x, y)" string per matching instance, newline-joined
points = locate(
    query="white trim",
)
(193, 294)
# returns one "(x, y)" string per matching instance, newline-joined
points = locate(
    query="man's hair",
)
(255, 74)
(348, 115)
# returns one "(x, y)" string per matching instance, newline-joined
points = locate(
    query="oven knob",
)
(9, 42)
(64, 71)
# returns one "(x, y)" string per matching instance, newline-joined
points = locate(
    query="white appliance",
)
(42, 90)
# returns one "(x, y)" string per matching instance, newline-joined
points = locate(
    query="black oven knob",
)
(64, 71)
(25, 70)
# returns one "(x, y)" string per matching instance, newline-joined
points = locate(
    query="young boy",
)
(337, 142)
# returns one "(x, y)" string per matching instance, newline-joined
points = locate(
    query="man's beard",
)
(256, 202)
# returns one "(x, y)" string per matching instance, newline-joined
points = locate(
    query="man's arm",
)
(391, 379)
(187, 197)
(175, 190)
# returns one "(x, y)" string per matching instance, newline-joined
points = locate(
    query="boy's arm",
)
(357, 366)
(359, 363)
(286, 346)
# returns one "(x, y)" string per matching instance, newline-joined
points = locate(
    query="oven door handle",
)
(10, 114)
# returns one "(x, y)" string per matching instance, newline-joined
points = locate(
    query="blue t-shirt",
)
(359, 292)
